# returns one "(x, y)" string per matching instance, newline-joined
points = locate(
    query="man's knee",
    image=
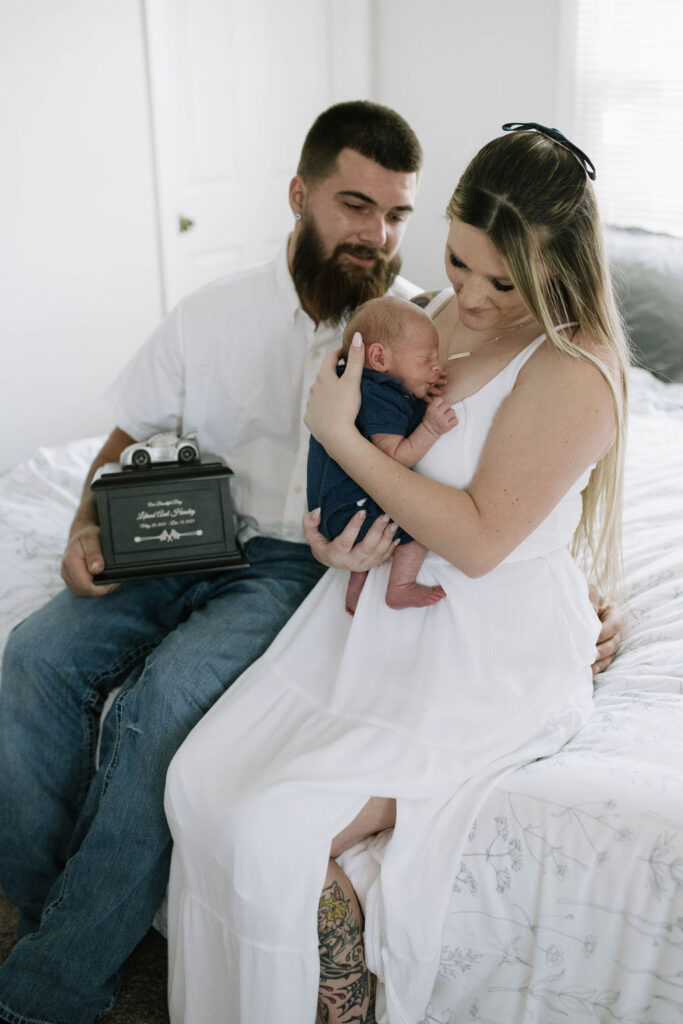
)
(35, 666)
(45, 637)
(23, 652)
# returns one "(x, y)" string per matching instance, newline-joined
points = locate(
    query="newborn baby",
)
(400, 415)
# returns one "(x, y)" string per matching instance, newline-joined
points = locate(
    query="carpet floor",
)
(142, 999)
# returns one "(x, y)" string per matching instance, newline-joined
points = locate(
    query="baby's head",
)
(400, 340)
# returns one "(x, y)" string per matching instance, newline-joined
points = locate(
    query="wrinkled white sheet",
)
(568, 905)
(38, 499)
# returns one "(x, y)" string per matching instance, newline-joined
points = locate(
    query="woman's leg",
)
(347, 988)
(252, 831)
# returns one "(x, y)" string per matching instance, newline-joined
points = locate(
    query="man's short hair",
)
(374, 131)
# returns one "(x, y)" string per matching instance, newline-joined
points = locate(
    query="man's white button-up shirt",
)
(235, 361)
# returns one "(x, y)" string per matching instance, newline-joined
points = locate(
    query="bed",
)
(568, 903)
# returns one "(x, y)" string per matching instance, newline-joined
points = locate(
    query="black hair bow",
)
(552, 133)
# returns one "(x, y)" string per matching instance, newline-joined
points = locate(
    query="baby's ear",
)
(376, 357)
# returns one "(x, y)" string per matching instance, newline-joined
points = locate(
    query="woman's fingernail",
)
(315, 513)
(356, 341)
(393, 528)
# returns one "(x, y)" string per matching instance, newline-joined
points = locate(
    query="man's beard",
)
(332, 288)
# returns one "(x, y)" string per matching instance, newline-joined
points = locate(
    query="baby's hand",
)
(439, 383)
(439, 417)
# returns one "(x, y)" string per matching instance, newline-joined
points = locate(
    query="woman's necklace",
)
(508, 330)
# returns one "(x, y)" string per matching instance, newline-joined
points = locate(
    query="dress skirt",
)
(430, 706)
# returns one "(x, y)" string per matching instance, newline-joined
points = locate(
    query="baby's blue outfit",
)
(386, 408)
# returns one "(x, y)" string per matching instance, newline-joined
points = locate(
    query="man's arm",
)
(438, 419)
(423, 299)
(82, 557)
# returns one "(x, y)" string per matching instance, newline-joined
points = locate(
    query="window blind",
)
(628, 108)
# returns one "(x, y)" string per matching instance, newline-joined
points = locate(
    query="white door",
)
(235, 85)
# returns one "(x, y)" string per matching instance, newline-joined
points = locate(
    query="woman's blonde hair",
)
(533, 199)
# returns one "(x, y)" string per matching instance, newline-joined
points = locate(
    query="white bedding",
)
(568, 905)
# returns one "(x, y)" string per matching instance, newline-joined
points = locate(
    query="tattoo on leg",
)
(346, 985)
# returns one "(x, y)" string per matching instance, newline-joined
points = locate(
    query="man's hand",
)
(439, 417)
(82, 560)
(377, 545)
(610, 633)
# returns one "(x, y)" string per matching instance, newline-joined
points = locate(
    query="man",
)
(84, 850)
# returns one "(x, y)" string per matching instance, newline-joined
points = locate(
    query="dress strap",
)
(516, 364)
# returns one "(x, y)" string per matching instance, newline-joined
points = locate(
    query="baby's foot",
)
(356, 583)
(413, 595)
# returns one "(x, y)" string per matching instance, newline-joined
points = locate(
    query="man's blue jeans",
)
(85, 850)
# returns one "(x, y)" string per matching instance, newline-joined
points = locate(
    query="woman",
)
(348, 726)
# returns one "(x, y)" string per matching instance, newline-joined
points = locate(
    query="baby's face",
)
(415, 360)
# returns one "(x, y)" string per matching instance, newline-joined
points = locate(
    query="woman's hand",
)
(377, 546)
(334, 402)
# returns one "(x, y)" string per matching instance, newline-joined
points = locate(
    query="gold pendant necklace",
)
(508, 330)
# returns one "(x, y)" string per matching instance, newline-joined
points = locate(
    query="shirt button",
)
(298, 489)
(315, 352)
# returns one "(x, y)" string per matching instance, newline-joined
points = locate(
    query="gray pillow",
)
(647, 270)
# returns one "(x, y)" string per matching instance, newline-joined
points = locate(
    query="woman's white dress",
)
(430, 706)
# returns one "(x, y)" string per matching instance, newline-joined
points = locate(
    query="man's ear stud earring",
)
(297, 216)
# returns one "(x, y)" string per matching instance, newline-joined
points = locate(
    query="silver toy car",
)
(165, 447)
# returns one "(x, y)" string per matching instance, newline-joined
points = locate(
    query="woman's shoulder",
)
(597, 352)
(585, 362)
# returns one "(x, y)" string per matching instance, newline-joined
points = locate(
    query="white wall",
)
(79, 268)
(78, 263)
(458, 70)
(233, 98)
